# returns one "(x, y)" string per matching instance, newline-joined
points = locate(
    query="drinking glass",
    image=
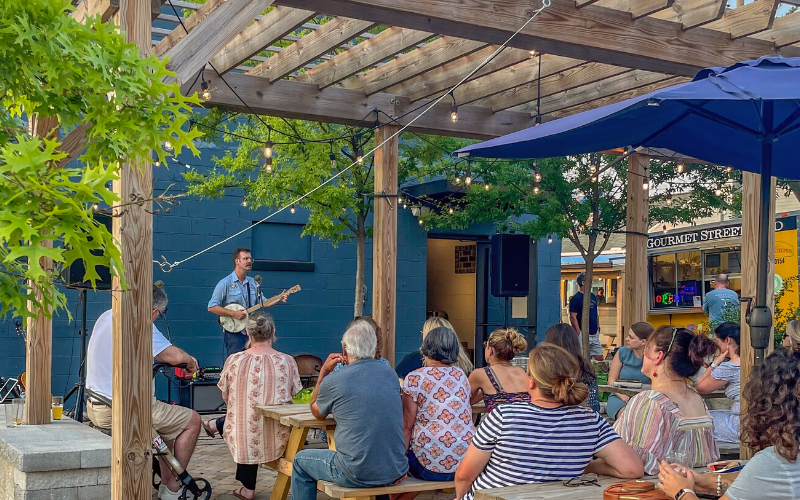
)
(19, 410)
(58, 407)
(10, 412)
(679, 458)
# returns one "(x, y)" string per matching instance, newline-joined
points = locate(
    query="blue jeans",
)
(234, 342)
(417, 470)
(313, 465)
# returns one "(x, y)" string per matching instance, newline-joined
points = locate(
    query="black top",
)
(576, 306)
(408, 364)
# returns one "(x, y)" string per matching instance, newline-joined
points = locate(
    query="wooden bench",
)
(407, 485)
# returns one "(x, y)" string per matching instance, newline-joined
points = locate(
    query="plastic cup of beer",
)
(19, 410)
(11, 414)
(58, 407)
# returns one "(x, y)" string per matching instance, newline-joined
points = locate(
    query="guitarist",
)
(236, 288)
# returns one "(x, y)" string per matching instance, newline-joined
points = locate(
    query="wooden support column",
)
(132, 321)
(384, 238)
(634, 292)
(39, 347)
(751, 228)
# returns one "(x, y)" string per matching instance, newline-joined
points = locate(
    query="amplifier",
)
(210, 373)
(203, 396)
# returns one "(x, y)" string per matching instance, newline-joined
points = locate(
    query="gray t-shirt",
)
(365, 401)
(767, 475)
(717, 300)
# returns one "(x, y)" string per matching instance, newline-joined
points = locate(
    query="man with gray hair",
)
(364, 397)
(719, 299)
(178, 426)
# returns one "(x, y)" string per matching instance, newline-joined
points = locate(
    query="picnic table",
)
(647, 387)
(301, 420)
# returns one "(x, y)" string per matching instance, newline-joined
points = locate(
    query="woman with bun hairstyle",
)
(671, 417)
(254, 377)
(548, 439)
(724, 374)
(500, 382)
(563, 335)
(627, 365)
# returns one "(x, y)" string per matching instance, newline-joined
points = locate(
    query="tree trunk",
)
(361, 237)
(587, 302)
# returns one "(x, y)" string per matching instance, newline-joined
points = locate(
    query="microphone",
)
(159, 284)
(257, 278)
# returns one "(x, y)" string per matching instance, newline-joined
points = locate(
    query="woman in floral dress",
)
(257, 376)
(437, 416)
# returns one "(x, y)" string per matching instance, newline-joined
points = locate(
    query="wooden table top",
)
(647, 387)
(300, 415)
(279, 411)
(552, 490)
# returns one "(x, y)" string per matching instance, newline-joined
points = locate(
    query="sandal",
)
(237, 494)
(211, 429)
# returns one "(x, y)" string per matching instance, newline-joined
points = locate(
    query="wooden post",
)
(39, 347)
(634, 292)
(621, 330)
(751, 228)
(132, 321)
(384, 238)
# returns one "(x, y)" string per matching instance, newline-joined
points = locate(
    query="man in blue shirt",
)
(719, 299)
(576, 318)
(236, 288)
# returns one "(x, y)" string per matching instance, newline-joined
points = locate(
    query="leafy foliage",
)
(784, 314)
(52, 66)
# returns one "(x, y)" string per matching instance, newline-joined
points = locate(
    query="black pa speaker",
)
(202, 396)
(510, 261)
(74, 274)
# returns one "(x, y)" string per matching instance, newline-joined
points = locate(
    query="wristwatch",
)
(682, 492)
(714, 365)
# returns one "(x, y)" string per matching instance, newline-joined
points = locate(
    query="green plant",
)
(784, 314)
(53, 66)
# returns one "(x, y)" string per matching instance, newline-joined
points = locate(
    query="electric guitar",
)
(231, 324)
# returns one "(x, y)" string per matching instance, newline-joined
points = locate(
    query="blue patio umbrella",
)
(746, 116)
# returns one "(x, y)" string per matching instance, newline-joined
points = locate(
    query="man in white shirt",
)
(178, 426)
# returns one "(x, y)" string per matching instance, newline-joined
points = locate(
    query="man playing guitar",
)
(236, 288)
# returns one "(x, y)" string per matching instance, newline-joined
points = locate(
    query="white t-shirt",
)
(767, 475)
(99, 362)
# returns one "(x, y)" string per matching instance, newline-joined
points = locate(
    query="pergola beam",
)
(637, 8)
(311, 47)
(446, 76)
(305, 101)
(438, 52)
(275, 25)
(169, 41)
(514, 76)
(575, 76)
(591, 33)
(748, 19)
(785, 31)
(88, 8)
(693, 13)
(386, 44)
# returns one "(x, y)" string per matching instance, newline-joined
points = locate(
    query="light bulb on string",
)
(450, 211)
(665, 229)
(646, 185)
(453, 109)
(205, 91)
(168, 146)
(268, 165)
(536, 189)
(468, 179)
(532, 52)
(291, 209)
(669, 198)
(405, 205)
(360, 156)
(268, 149)
(592, 168)
(420, 221)
(486, 186)
(457, 180)
(244, 203)
(729, 169)
(333, 160)
(157, 163)
(594, 178)
(681, 167)
(718, 191)
(537, 174)
(549, 238)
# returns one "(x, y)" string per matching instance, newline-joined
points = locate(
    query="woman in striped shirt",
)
(548, 439)
(672, 416)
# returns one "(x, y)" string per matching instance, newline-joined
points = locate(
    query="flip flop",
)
(211, 431)
(239, 495)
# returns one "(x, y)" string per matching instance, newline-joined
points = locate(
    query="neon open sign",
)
(665, 298)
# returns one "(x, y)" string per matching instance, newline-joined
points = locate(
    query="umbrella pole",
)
(760, 318)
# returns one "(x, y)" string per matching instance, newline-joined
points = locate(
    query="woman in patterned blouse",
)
(257, 376)
(437, 417)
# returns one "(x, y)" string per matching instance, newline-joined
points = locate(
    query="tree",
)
(581, 198)
(304, 155)
(53, 66)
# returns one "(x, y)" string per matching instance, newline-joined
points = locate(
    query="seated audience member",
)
(672, 416)
(548, 439)
(771, 427)
(258, 376)
(627, 365)
(562, 335)
(724, 374)
(500, 382)
(791, 337)
(178, 426)
(437, 417)
(413, 360)
(365, 397)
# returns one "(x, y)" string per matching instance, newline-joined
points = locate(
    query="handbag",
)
(634, 490)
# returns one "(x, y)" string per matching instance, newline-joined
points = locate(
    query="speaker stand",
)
(80, 388)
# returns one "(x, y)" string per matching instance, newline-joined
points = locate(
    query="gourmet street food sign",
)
(711, 234)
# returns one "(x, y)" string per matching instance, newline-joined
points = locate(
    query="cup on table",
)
(10, 412)
(18, 406)
(58, 407)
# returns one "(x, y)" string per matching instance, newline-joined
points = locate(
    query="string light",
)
(291, 209)
(157, 163)
(268, 146)
(592, 168)
(168, 146)
(729, 169)
(549, 238)
(268, 165)
(665, 229)
(360, 156)
(681, 167)
(536, 189)
(669, 198)
(594, 178)
(537, 174)
(468, 178)
(205, 92)
(453, 110)
(718, 191)
(486, 186)
(646, 185)
(450, 211)
(244, 203)
(457, 180)
(332, 156)
(405, 205)
(421, 222)
(533, 53)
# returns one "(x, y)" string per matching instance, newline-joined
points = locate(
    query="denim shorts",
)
(416, 470)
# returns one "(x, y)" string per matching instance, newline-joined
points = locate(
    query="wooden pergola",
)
(588, 53)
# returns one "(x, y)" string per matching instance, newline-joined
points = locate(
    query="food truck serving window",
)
(676, 279)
